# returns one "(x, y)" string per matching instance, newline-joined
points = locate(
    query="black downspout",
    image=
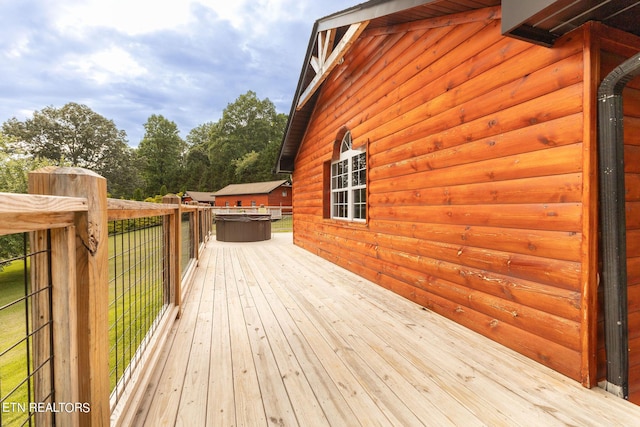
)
(613, 224)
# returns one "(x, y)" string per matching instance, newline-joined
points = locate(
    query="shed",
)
(269, 193)
(199, 196)
(451, 156)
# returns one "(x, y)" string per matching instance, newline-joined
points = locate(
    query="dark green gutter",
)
(613, 223)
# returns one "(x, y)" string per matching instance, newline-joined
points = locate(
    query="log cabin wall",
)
(475, 178)
(616, 47)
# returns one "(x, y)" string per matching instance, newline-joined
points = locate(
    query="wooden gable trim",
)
(372, 9)
(323, 64)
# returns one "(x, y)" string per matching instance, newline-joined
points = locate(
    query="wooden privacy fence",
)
(116, 272)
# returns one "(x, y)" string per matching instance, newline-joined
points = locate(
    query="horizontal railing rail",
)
(116, 272)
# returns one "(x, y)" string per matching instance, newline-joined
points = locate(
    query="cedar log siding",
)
(475, 161)
(616, 47)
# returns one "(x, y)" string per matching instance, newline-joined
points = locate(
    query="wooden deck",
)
(273, 335)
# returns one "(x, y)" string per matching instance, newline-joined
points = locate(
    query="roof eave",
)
(359, 13)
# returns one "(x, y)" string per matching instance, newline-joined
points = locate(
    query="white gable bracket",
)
(323, 64)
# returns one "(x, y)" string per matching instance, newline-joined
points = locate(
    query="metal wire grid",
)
(187, 245)
(21, 381)
(138, 293)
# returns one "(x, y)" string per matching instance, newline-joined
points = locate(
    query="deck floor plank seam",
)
(278, 408)
(363, 404)
(249, 406)
(299, 392)
(220, 403)
(326, 392)
(190, 410)
(165, 391)
(355, 357)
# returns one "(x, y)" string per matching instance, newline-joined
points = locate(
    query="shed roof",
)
(541, 22)
(200, 196)
(250, 188)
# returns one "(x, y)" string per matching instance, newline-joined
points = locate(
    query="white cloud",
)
(132, 17)
(19, 47)
(106, 66)
(256, 17)
(128, 59)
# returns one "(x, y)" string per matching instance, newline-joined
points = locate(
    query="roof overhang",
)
(536, 21)
(543, 21)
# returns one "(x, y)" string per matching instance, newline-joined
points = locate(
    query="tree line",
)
(240, 147)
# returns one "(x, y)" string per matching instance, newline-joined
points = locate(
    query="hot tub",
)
(243, 227)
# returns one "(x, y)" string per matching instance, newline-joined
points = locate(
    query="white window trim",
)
(346, 154)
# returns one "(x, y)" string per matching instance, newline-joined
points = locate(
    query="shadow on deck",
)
(271, 334)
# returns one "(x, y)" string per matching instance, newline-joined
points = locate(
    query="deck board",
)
(273, 335)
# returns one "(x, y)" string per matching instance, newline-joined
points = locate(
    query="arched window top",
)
(346, 142)
(348, 180)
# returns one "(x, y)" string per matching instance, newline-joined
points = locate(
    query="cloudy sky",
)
(128, 59)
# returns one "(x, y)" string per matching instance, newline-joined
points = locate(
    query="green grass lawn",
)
(136, 295)
(136, 298)
(284, 225)
(13, 365)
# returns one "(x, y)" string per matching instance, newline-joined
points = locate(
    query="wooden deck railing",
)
(93, 286)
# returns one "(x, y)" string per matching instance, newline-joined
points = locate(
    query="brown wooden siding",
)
(616, 48)
(281, 196)
(274, 198)
(244, 199)
(475, 149)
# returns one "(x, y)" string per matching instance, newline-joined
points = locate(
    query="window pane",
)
(346, 142)
(360, 203)
(359, 170)
(340, 204)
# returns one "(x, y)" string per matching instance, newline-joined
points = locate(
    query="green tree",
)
(245, 167)
(15, 166)
(198, 172)
(161, 152)
(241, 148)
(77, 136)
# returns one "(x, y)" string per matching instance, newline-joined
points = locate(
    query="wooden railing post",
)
(91, 278)
(196, 235)
(173, 248)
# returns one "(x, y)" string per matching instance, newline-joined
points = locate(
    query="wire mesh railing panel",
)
(138, 289)
(187, 250)
(26, 336)
(282, 225)
(202, 226)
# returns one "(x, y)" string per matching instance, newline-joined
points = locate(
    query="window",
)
(349, 183)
